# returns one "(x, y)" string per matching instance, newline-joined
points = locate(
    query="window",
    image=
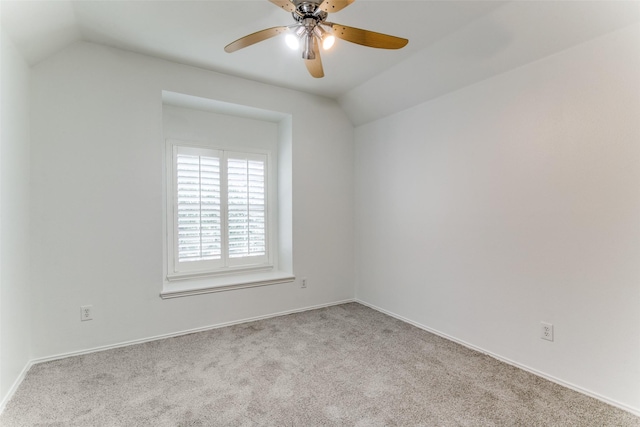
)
(219, 220)
(231, 226)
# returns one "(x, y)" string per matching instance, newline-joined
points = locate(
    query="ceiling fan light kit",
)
(311, 29)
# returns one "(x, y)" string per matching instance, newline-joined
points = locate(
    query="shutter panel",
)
(246, 206)
(219, 211)
(199, 235)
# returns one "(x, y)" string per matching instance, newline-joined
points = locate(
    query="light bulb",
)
(292, 41)
(328, 42)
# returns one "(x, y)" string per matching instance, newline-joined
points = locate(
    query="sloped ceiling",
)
(451, 43)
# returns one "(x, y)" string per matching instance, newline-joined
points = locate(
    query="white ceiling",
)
(452, 43)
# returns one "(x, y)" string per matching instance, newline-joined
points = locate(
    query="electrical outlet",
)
(546, 331)
(86, 312)
(303, 283)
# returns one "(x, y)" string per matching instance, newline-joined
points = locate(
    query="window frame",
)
(200, 269)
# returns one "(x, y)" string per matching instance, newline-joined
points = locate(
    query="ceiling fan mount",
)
(311, 28)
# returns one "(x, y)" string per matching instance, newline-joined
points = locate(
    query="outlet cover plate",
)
(86, 312)
(546, 331)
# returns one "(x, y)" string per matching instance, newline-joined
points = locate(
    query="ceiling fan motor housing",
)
(309, 11)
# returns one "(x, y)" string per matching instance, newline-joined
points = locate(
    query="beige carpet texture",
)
(346, 365)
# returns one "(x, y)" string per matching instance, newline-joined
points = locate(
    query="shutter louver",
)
(246, 207)
(198, 208)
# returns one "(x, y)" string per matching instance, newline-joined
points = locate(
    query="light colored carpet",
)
(345, 365)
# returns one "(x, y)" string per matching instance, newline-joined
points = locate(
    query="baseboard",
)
(634, 411)
(32, 362)
(7, 397)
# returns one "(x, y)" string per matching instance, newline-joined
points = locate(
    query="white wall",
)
(14, 217)
(97, 149)
(219, 130)
(514, 201)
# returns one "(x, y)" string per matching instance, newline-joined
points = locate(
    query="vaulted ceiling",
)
(451, 43)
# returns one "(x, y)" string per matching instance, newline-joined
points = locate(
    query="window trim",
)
(226, 283)
(225, 271)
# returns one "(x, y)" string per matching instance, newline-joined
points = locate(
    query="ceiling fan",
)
(311, 29)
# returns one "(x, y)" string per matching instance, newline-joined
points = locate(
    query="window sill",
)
(224, 283)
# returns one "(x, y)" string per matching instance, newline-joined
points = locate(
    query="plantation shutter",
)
(246, 183)
(219, 211)
(198, 205)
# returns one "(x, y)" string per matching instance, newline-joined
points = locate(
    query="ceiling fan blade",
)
(367, 38)
(315, 65)
(331, 6)
(285, 4)
(254, 38)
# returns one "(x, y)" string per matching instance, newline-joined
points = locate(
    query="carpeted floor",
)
(345, 365)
